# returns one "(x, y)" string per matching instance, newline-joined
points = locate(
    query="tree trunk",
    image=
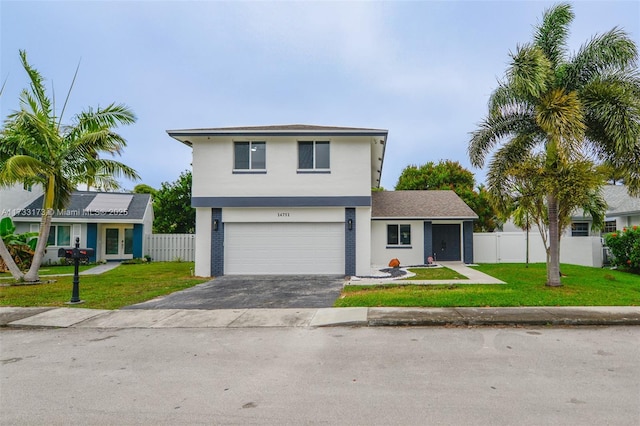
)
(10, 262)
(38, 256)
(553, 258)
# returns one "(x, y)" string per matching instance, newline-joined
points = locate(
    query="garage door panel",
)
(284, 248)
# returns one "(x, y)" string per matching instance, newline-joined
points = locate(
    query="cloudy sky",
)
(421, 69)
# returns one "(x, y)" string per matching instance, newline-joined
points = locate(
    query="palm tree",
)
(37, 149)
(567, 107)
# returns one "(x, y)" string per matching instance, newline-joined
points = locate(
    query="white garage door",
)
(284, 248)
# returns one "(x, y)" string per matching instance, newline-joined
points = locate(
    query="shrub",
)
(625, 247)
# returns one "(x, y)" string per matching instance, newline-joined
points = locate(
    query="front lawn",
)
(122, 286)
(582, 286)
(434, 274)
(53, 270)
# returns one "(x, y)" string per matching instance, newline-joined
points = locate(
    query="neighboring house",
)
(623, 210)
(580, 244)
(17, 196)
(113, 224)
(296, 199)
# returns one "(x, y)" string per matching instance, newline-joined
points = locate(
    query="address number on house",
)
(283, 214)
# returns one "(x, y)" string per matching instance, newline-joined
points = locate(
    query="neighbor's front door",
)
(118, 242)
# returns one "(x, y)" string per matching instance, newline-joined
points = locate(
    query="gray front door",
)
(446, 241)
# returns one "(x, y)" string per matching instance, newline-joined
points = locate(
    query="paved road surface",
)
(338, 375)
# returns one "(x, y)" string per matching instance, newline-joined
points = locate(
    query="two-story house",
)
(296, 199)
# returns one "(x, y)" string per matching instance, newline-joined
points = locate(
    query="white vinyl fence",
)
(170, 247)
(511, 247)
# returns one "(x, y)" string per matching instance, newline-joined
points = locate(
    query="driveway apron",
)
(251, 291)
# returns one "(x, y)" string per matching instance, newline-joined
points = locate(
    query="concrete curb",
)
(324, 317)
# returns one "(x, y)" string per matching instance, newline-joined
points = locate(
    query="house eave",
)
(425, 218)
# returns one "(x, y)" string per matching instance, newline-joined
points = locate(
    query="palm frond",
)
(551, 34)
(611, 51)
(36, 84)
(493, 129)
(530, 73)
(20, 168)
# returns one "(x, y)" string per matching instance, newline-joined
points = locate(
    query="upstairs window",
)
(398, 235)
(249, 156)
(313, 155)
(580, 229)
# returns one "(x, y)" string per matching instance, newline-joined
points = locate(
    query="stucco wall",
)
(213, 169)
(381, 254)
(203, 242)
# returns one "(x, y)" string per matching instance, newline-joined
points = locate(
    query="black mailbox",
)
(76, 253)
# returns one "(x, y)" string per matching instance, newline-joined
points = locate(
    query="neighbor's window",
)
(580, 229)
(59, 235)
(609, 226)
(398, 235)
(249, 156)
(313, 155)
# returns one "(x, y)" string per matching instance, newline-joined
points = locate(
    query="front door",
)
(118, 242)
(446, 241)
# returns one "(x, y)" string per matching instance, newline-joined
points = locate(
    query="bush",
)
(625, 247)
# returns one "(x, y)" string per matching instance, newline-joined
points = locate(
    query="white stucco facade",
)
(282, 217)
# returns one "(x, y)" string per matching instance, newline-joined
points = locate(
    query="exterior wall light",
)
(350, 224)
(215, 224)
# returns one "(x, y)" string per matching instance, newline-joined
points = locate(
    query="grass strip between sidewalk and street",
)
(582, 286)
(122, 286)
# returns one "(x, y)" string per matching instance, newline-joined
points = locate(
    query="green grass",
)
(582, 286)
(53, 270)
(122, 286)
(434, 274)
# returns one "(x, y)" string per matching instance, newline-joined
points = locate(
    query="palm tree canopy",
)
(570, 106)
(568, 112)
(37, 148)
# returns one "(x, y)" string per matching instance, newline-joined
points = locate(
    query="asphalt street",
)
(336, 375)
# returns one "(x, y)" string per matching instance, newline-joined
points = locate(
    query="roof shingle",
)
(443, 204)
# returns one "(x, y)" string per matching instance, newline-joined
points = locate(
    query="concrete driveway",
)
(254, 291)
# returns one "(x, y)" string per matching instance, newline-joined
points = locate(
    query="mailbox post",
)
(76, 254)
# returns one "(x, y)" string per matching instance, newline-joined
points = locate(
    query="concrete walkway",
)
(235, 318)
(473, 277)
(96, 270)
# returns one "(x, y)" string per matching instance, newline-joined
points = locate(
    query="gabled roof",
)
(88, 206)
(444, 204)
(619, 202)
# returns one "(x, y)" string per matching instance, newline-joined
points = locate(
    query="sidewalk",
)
(362, 317)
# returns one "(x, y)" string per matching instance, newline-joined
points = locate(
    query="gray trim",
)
(217, 244)
(350, 242)
(424, 218)
(295, 133)
(221, 202)
(312, 172)
(248, 172)
(428, 240)
(467, 241)
(399, 247)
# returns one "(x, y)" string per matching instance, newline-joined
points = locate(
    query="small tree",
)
(172, 209)
(19, 247)
(450, 175)
(625, 247)
(36, 147)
